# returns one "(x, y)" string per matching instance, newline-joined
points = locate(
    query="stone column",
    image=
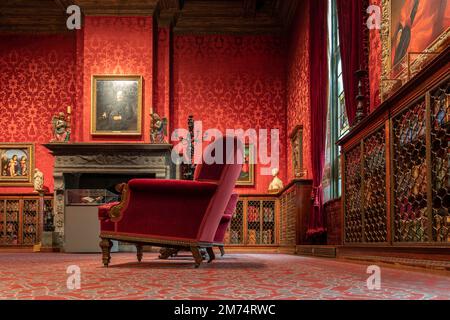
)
(59, 209)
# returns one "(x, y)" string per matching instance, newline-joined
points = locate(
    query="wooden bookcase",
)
(22, 218)
(396, 182)
(255, 222)
(271, 220)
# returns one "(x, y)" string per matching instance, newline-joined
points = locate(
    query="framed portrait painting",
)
(413, 33)
(17, 164)
(247, 176)
(116, 107)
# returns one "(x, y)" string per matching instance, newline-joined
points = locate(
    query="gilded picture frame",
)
(116, 106)
(247, 176)
(17, 164)
(393, 77)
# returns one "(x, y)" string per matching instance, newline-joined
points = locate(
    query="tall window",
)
(337, 123)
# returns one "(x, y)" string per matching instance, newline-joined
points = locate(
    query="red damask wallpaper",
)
(37, 77)
(232, 82)
(117, 45)
(226, 81)
(375, 64)
(162, 69)
(298, 103)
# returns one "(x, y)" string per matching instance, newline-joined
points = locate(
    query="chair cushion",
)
(173, 187)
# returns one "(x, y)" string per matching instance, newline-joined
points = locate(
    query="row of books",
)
(233, 237)
(413, 229)
(442, 227)
(29, 229)
(253, 214)
(253, 237)
(411, 126)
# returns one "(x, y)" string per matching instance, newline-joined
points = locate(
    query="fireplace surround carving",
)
(78, 159)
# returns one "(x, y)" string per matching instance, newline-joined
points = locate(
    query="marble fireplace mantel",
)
(104, 158)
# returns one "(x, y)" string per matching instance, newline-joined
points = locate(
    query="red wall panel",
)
(232, 82)
(298, 101)
(161, 94)
(117, 46)
(37, 78)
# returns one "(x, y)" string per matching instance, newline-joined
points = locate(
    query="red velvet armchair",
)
(225, 222)
(166, 253)
(174, 213)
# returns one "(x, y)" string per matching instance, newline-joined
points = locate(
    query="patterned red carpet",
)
(235, 276)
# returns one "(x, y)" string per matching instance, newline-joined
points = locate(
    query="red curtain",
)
(319, 102)
(351, 41)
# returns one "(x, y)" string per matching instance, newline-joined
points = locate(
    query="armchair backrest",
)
(225, 170)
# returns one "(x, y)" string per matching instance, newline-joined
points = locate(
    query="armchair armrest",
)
(103, 210)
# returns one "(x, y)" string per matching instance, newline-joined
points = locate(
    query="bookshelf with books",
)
(254, 222)
(22, 218)
(272, 221)
(395, 180)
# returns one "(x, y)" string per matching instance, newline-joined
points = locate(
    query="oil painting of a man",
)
(117, 106)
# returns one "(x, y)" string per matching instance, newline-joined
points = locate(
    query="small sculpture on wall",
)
(297, 152)
(61, 126)
(276, 185)
(158, 129)
(38, 181)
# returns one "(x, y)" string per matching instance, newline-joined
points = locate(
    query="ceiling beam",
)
(189, 16)
(117, 7)
(167, 12)
(286, 11)
(249, 8)
(63, 4)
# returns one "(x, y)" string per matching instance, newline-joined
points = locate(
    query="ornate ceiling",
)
(186, 16)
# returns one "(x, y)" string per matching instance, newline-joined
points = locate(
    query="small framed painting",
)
(247, 176)
(17, 164)
(116, 107)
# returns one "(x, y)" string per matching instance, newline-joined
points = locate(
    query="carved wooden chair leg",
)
(204, 253)
(197, 256)
(211, 254)
(106, 245)
(139, 252)
(222, 251)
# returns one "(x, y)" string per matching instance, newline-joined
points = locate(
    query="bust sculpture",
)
(276, 185)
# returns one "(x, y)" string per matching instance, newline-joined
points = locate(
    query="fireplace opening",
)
(105, 181)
